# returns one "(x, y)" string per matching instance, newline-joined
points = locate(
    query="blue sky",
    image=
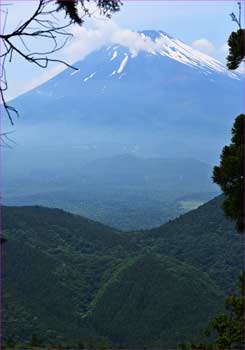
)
(206, 25)
(187, 20)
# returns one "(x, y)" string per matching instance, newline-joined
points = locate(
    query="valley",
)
(124, 191)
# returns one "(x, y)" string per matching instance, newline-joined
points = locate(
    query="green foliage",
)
(236, 49)
(42, 249)
(107, 7)
(10, 342)
(228, 327)
(230, 175)
(70, 7)
(36, 341)
(211, 245)
(155, 301)
(60, 269)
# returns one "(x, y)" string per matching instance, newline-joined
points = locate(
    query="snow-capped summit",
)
(153, 34)
(161, 43)
(156, 93)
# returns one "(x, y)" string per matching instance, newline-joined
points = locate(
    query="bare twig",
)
(45, 28)
(5, 140)
(43, 24)
(234, 17)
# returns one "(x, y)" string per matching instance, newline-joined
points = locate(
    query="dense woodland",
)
(151, 288)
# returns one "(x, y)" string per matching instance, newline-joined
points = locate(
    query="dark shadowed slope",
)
(64, 274)
(155, 301)
(203, 238)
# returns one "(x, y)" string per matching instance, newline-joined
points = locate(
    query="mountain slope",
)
(203, 238)
(167, 100)
(155, 301)
(54, 264)
(60, 272)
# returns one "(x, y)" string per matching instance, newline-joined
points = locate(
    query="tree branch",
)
(47, 27)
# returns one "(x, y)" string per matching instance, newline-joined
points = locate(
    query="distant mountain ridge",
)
(123, 191)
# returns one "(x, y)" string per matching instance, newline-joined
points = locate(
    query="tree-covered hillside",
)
(69, 279)
(155, 301)
(54, 263)
(203, 238)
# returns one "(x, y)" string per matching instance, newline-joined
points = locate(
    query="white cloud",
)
(203, 45)
(106, 32)
(133, 41)
(87, 40)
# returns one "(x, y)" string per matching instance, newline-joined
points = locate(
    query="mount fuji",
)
(164, 100)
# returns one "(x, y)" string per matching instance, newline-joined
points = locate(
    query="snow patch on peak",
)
(162, 44)
(179, 51)
(115, 54)
(123, 64)
(75, 72)
(89, 77)
(153, 34)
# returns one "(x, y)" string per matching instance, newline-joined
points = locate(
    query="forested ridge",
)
(69, 279)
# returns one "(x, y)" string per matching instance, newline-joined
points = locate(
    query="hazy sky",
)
(205, 25)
